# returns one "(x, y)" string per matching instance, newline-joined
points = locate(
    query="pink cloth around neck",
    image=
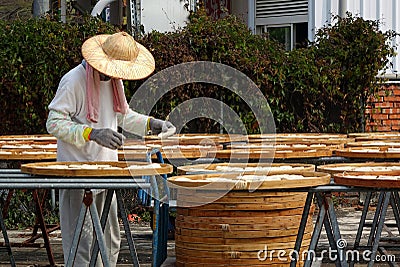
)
(93, 94)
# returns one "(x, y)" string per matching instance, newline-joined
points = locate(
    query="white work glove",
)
(107, 138)
(164, 129)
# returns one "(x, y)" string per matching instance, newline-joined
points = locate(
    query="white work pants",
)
(70, 205)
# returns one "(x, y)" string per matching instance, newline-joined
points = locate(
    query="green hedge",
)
(34, 54)
(319, 88)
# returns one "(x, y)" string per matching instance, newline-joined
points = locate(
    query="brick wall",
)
(382, 113)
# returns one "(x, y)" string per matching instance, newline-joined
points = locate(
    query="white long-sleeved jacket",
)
(67, 119)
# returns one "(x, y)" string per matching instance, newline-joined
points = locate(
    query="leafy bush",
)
(226, 41)
(320, 88)
(35, 54)
(349, 55)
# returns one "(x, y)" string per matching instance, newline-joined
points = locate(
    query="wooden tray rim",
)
(329, 168)
(212, 167)
(312, 179)
(42, 168)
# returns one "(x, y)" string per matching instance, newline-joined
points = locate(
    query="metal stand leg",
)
(7, 202)
(303, 224)
(42, 225)
(88, 204)
(375, 220)
(394, 202)
(161, 213)
(99, 235)
(332, 227)
(77, 236)
(164, 224)
(6, 241)
(156, 231)
(316, 234)
(340, 246)
(164, 217)
(327, 224)
(103, 221)
(381, 214)
(128, 232)
(361, 225)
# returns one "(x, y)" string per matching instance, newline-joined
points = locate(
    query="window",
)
(285, 21)
(291, 36)
(283, 35)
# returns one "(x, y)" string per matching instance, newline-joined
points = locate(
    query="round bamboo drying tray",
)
(28, 147)
(135, 152)
(33, 137)
(239, 226)
(298, 136)
(369, 152)
(245, 167)
(15, 144)
(100, 168)
(382, 168)
(133, 155)
(277, 147)
(10, 154)
(377, 143)
(189, 151)
(373, 136)
(309, 144)
(390, 181)
(287, 146)
(270, 153)
(197, 138)
(237, 181)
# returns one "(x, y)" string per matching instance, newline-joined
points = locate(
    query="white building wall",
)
(163, 15)
(387, 12)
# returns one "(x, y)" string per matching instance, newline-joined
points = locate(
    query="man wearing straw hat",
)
(84, 115)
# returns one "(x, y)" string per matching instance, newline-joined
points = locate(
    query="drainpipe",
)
(63, 11)
(251, 16)
(342, 8)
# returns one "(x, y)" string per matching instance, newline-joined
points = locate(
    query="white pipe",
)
(251, 17)
(342, 8)
(99, 7)
(311, 20)
(394, 28)
(63, 11)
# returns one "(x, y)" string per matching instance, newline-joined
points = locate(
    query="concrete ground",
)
(36, 256)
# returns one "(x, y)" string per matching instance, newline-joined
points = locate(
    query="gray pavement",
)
(36, 256)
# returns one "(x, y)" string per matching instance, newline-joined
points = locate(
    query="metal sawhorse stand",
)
(14, 179)
(385, 199)
(161, 210)
(160, 233)
(7, 247)
(327, 218)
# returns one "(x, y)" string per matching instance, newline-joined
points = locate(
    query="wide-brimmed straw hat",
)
(118, 56)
